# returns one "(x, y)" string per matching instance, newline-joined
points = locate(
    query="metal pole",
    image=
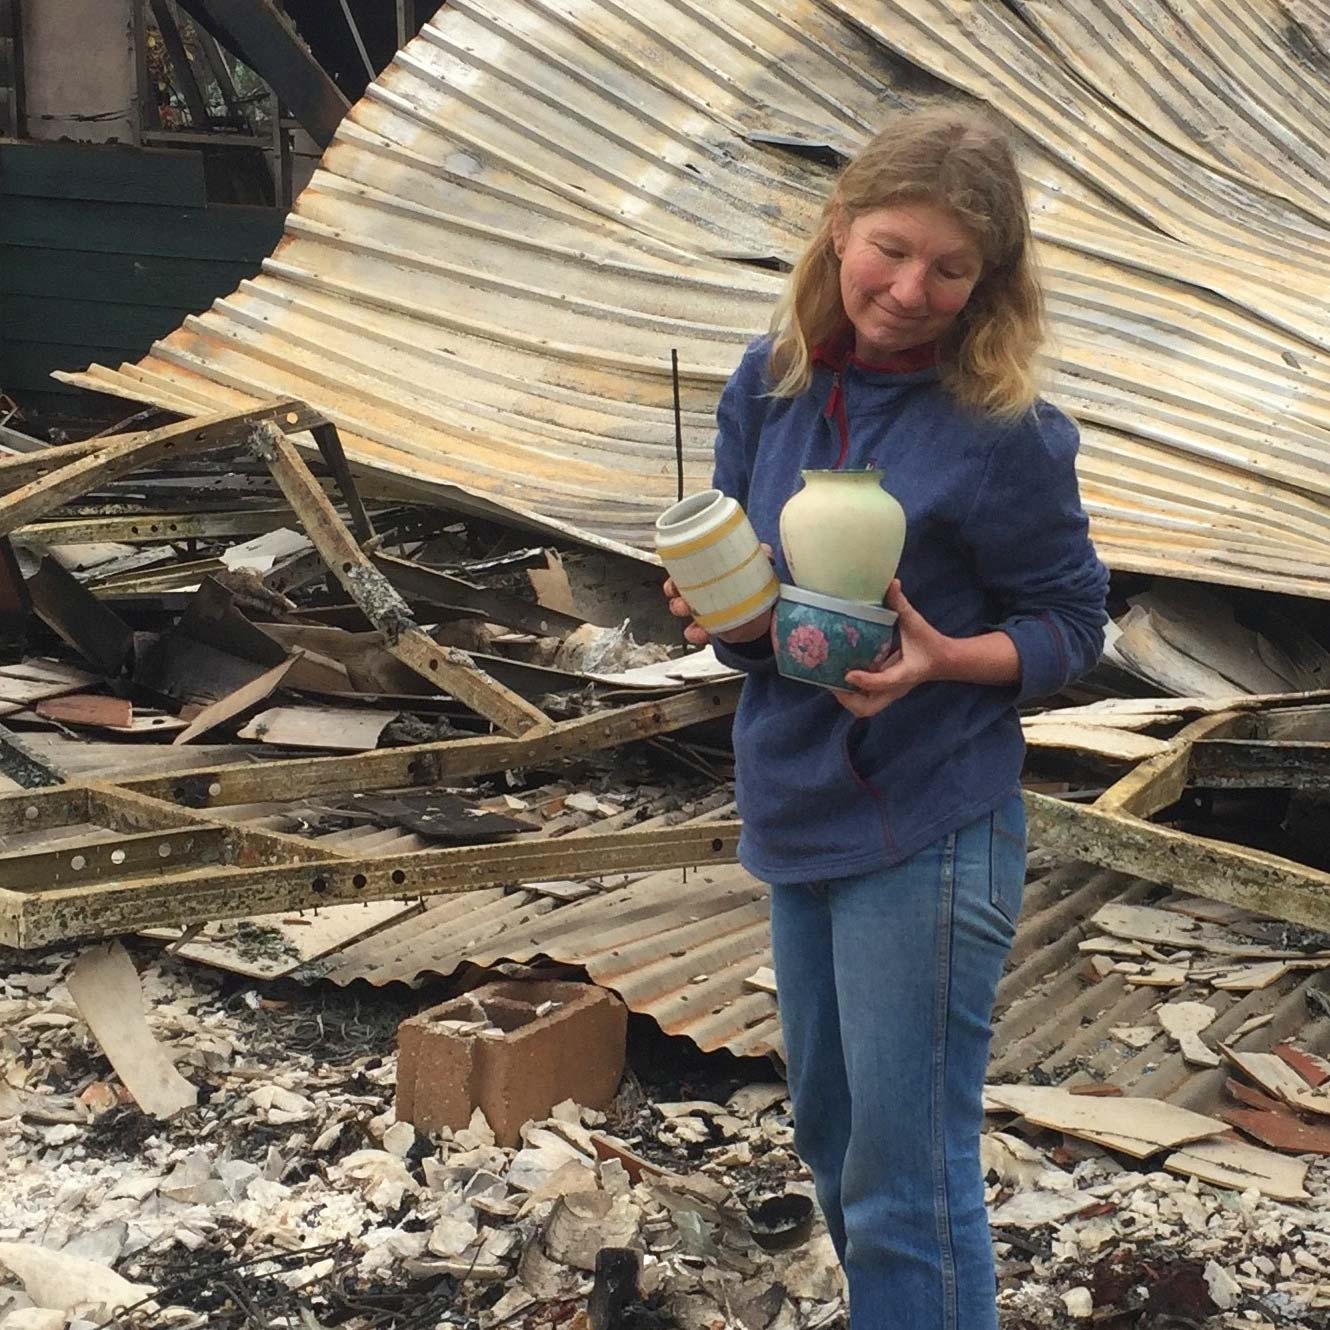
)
(360, 45)
(678, 419)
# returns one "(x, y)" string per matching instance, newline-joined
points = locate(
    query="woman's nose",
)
(908, 290)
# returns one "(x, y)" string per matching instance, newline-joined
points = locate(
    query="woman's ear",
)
(839, 230)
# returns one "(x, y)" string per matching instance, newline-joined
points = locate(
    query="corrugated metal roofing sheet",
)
(539, 198)
(676, 947)
(680, 950)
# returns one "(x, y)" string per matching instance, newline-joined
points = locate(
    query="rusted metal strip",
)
(155, 528)
(1265, 883)
(447, 669)
(126, 811)
(38, 918)
(435, 763)
(84, 864)
(65, 480)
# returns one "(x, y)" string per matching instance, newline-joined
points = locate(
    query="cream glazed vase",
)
(842, 535)
(709, 547)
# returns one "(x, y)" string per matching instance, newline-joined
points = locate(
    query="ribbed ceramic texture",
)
(539, 199)
(718, 566)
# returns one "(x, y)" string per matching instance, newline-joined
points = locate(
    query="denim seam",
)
(946, 904)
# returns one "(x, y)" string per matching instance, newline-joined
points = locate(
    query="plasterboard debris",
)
(1138, 1127)
(1241, 1166)
(105, 986)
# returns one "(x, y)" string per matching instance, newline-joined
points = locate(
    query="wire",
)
(95, 115)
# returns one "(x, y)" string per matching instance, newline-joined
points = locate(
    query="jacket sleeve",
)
(738, 421)
(1032, 550)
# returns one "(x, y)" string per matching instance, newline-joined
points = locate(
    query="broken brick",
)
(512, 1049)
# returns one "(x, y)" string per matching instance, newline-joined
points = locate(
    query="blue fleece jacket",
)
(996, 539)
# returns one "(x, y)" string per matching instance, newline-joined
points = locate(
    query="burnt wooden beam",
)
(24, 765)
(181, 68)
(1160, 780)
(434, 763)
(1251, 879)
(445, 668)
(42, 917)
(1260, 764)
(267, 41)
(154, 528)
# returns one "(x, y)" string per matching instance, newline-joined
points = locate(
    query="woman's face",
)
(905, 274)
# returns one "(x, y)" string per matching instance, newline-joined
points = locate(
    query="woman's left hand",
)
(922, 655)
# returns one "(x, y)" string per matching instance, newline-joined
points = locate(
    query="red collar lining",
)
(837, 353)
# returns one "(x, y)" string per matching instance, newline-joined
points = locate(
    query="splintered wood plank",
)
(446, 668)
(1147, 923)
(1248, 978)
(1280, 1131)
(1136, 1126)
(1255, 880)
(61, 479)
(762, 980)
(1270, 1072)
(1161, 779)
(105, 987)
(1314, 1070)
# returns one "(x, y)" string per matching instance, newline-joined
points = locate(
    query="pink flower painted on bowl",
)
(807, 646)
(851, 635)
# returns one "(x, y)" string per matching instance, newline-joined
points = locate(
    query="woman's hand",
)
(698, 636)
(926, 656)
(921, 656)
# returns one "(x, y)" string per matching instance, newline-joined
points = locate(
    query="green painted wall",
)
(103, 250)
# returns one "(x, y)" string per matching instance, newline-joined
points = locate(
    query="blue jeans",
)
(886, 985)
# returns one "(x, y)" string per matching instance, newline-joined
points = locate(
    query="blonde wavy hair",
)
(962, 161)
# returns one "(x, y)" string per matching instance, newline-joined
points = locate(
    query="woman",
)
(887, 818)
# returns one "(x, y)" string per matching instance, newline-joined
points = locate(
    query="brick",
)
(574, 1052)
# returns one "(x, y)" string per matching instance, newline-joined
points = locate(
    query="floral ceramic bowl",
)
(819, 638)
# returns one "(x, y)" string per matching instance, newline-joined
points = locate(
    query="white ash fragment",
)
(1078, 1303)
(1224, 1289)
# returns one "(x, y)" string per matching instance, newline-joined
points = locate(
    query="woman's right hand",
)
(698, 636)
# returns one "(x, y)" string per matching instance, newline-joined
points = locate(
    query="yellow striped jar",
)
(709, 547)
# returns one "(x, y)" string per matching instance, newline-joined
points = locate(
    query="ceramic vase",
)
(709, 547)
(842, 535)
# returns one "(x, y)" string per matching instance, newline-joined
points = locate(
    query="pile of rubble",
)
(287, 1192)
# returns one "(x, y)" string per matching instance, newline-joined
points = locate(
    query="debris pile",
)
(291, 1191)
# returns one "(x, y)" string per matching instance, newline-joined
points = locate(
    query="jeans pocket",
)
(1007, 855)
